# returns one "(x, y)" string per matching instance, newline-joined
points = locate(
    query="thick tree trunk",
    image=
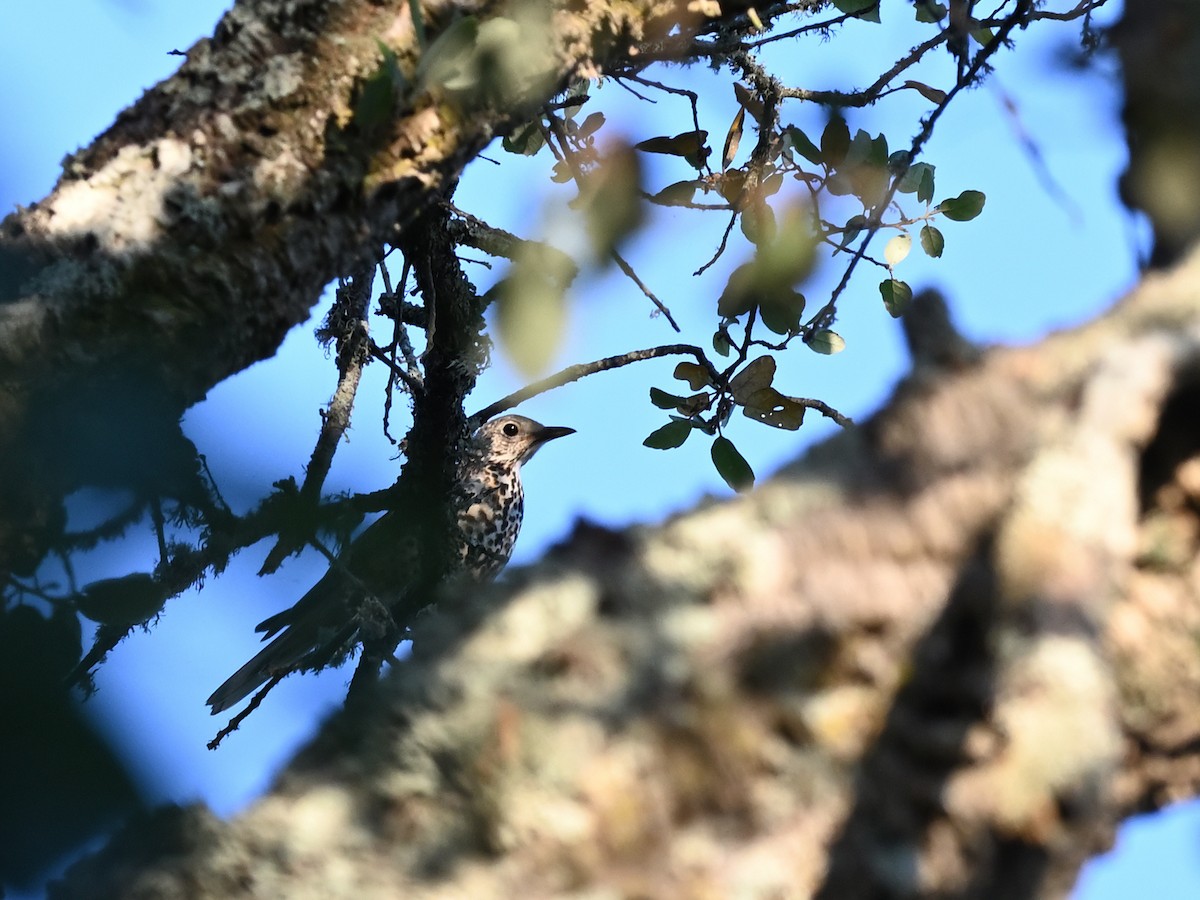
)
(942, 655)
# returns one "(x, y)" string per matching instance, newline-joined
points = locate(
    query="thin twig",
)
(574, 373)
(237, 720)
(823, 318)
(824, 409)
(721, 246)
(632, 275)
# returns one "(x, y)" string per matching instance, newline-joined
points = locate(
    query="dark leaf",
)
(663, 400)
(925, 189)
(669, 436)
(749, 102)
(932, 241)
(693, 373)
(773, 408)
(738, 296)
(932, 94)
(896, 296)
(964, 207)
(803, 145)
(835, 142)
(753, 378)
(731, 465)
(680, 193)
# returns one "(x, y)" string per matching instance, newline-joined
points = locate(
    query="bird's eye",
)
(510, 429)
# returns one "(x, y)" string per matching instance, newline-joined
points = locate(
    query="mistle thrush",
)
(327, 621)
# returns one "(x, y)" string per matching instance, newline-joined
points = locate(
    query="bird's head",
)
(514, 439)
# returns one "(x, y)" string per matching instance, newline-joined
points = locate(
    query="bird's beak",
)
(550, 432)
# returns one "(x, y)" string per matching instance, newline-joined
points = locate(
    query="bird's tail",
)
(307, 638)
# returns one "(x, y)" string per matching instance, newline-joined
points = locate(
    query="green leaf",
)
(691, 145)
(896, 296)
(925, 188)
(867, 10)
(753, 378)
(912, 178)
(731, 465)
(772, 408)
(930, 93)
(738, 296)
(678, 194)
(693, 373)
(758, 223)
(721, 343)
(803, 145)
(932, 241)
(781, 311)
(669, 436)
(964, 207)
(852, 229)
(835, 141)
(525, 140)
(375, 104)
(930, 11)
(663, 400)
(827, 342)
(590, 125)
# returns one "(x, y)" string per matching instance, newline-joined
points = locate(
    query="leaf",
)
(731, 465)
(827, 342)
(721, 343)
(932, 94)
(611, 199)
(680, 193)
(925, 188)
(896, 296)
(932, 241)
(693, 373)
(852, 229)
(753, 378)
(964, 207)
(733, 138)
(749, 102)
(781, 311)
(835, 142)
(663, 400)
(688, 144)
(896, 249)
(803, 145)
(525, 140)
(591, 124)
(911, 180)
(867, 10)
(561, 173)
(669, 436)
(772, 408)
(983, 36)
(758, 223)
(129, 600)
(930, 11)
(738, 296)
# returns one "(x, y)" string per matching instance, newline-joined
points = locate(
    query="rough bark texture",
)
(943, 655)
(183, 244)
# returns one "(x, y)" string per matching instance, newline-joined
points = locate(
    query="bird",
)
(346, 605)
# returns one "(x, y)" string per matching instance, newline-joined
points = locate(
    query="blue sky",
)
(1033, 262)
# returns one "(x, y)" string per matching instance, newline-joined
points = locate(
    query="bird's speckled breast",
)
(491, 520)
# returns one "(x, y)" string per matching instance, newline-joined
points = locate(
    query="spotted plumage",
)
(327, 621)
